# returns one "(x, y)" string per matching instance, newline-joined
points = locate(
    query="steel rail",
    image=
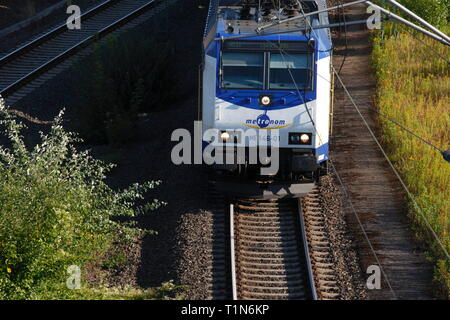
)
(233, 254)
(311, 278)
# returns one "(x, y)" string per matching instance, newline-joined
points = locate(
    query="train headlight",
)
(265, 100)
(300, 138)
(304, 138)
(224, 136)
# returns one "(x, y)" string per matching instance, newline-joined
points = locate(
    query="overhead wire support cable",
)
(337, 174)
(258, 31)
(442, 151)
(346, 194)
(323, 26)
(343, 186)
(446, 155)
(410, 195)
(345, 34)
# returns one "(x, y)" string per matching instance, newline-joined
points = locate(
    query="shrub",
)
(434, 11)
(55, 211)
(127, 75)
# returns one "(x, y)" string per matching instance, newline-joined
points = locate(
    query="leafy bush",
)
(127, 75)
(434, 11)
(55, 211)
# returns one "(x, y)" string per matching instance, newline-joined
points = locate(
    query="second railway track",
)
(37, 57)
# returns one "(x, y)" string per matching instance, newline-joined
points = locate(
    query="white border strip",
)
(307, 256)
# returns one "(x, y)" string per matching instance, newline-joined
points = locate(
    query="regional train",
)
(265, 85)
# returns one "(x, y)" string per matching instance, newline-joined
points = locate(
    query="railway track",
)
(280, 250)
(37, 60)
(270, 257)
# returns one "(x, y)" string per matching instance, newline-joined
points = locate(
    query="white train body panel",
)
(234, 109)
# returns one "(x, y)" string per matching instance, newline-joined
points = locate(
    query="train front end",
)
(266, 107)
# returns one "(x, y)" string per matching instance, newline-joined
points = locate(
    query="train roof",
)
(237, 17)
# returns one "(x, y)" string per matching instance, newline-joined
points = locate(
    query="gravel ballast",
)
(346, 261)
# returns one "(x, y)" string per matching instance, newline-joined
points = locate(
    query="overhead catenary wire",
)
(419, 19)
(410, 195)
(311, 30)
(435, 33)
(446, 155)
(442, 151)
(346, 194)
(345, 35)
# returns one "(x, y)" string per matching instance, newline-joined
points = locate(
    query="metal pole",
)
(387, 12)
(323, 26)
(408, 23)
(312, 281)
(421, 20)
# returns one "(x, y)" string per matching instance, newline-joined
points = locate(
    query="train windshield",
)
(243, 70)
(290, 71)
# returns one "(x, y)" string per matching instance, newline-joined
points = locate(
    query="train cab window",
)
(243, 70)
(289, 67)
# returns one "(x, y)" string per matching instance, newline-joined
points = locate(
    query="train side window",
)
(289, 67)
(242, 70)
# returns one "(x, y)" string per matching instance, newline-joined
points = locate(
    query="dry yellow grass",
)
(413, 78)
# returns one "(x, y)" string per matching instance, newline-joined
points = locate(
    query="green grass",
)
(167, 291)
(413, 88)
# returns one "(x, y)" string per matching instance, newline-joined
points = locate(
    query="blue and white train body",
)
(273, 86)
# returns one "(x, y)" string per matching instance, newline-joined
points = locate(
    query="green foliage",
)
(127, 75)
(167, 291)
(55, 211)
(434, 11)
